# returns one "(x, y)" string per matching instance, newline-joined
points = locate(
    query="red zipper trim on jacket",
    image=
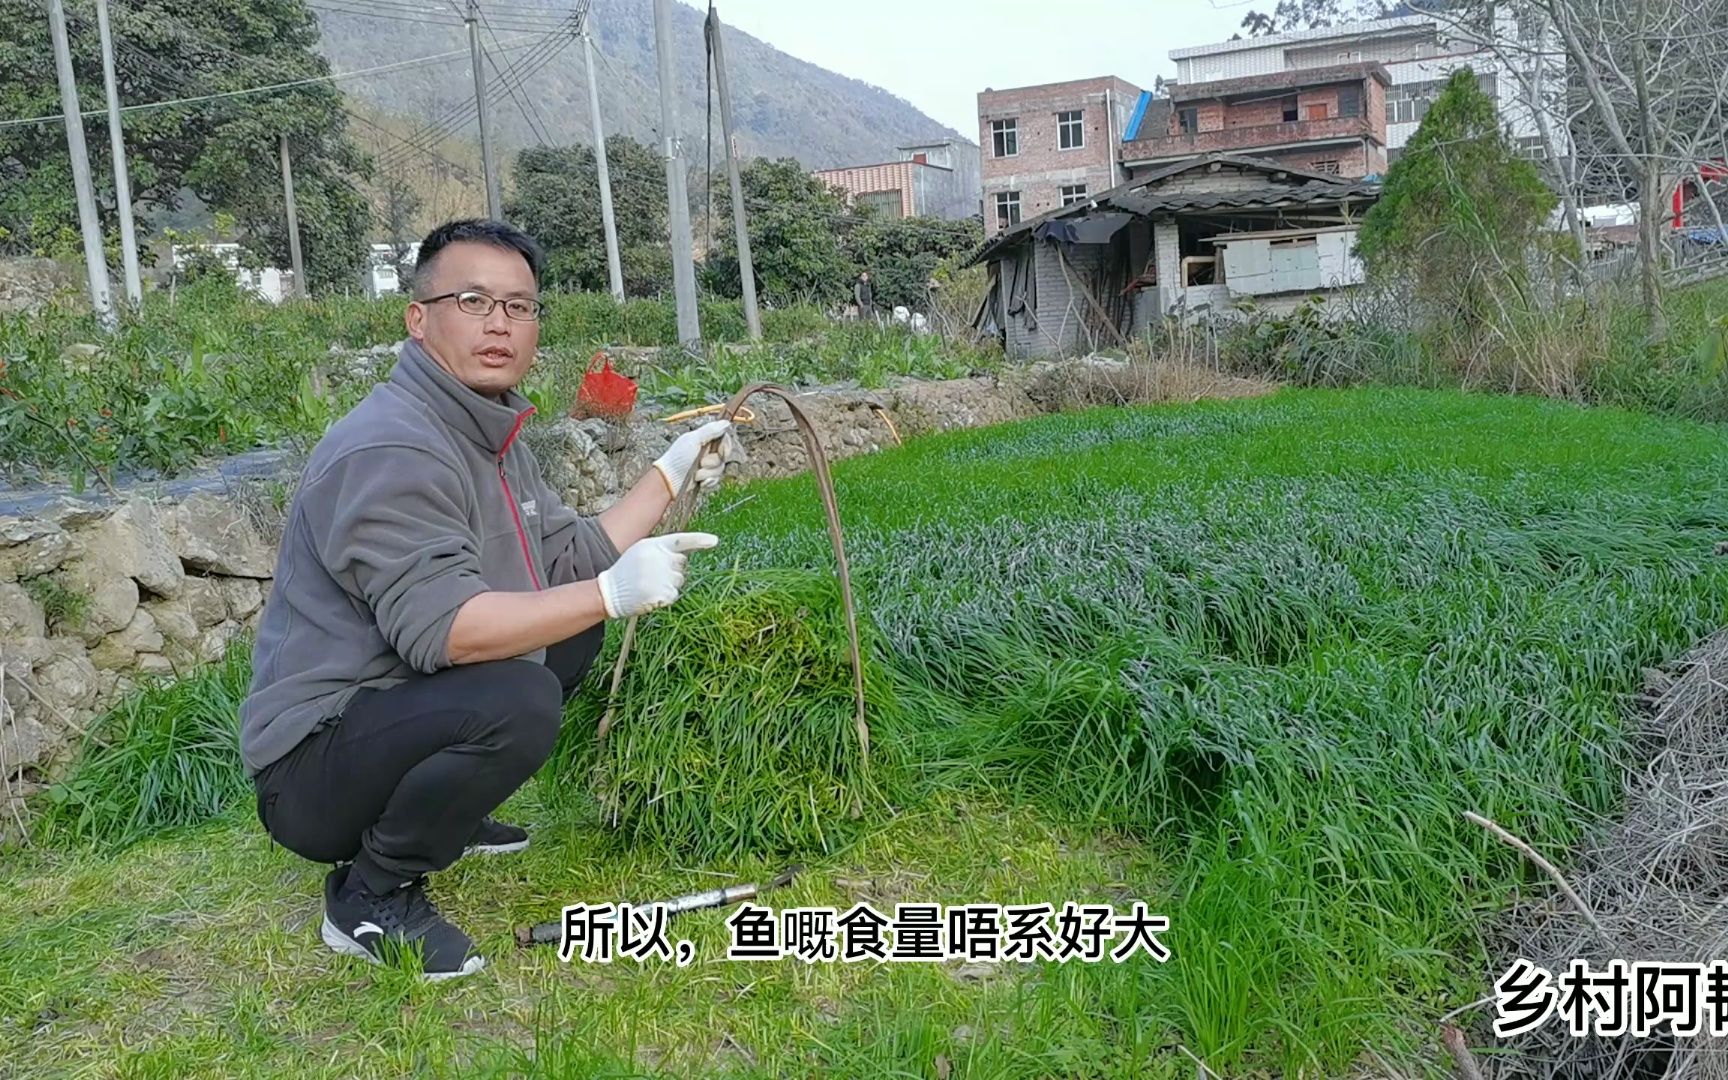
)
(521, 533)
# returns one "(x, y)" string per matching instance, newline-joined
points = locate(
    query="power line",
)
(517, 73)
(336, 77)
(537, 126)
(333, 9)
(161, 74)
(460, 113)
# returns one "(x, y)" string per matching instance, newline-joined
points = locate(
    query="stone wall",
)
(29, 284)
(94, 597)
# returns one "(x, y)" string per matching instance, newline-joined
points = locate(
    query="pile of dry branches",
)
(1655, 884)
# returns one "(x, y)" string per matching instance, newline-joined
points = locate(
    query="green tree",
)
(799, 233)
(902, 254)
(224, 151)
(557, 201)
(1461, 216)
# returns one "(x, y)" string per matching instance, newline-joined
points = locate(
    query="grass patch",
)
(199, 957)
(735, 730)
(165, 758)
(1288, 642)
(60, 604)
(1262, 653)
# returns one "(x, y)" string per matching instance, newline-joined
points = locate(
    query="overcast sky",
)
(938, 54)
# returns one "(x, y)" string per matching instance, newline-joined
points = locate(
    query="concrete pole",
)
(299, 265)
(614, 267)
(740, 225)
(678, 202)
(122, 183)
(95, 262)
(494, 205)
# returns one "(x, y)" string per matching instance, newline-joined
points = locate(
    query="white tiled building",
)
(1419, 53)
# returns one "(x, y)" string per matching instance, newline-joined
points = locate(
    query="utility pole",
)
(293, 222)
(493, 208)
(740, 225)
(95, 262)
(678, 201)
(117, 142)
(613, 266)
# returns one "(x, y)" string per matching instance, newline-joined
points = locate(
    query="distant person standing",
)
(865, 297)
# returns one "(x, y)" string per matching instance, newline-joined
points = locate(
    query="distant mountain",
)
(783, 107)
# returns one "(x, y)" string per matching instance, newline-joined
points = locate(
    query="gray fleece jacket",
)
(416, 501)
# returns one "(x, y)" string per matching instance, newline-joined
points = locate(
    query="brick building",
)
(1045, 147)
(1327, 120)
(1340, 100)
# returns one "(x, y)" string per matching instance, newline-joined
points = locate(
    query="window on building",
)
(1291, 112)
(1006, 135)
(887, 204)
(1007, 208)
(1408, 104)
(1073, 193)
(1350, 100)
(1187, 121)
(1328, 167)
(1070, 132)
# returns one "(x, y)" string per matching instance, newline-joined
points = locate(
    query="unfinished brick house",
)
(1328, 120)
(1048, 146)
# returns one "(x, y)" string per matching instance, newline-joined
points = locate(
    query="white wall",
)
(1260, 266)
(1416, 54)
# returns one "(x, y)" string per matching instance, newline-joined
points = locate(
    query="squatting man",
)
(436, 604)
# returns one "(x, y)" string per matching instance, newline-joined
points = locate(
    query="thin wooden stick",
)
(1454, 1039)
(1547, 868)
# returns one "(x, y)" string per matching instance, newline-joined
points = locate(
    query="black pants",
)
(399, 782)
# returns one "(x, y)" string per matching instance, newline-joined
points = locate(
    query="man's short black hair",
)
(478, 230)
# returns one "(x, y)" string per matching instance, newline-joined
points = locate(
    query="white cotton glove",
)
(675, 464)
(650, 573)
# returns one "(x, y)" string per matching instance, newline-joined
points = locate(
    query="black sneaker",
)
(496, 838)
(358, 922)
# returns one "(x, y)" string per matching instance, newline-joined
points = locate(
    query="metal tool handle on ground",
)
(551, 933)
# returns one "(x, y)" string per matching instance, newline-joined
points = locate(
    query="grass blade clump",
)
(734, 730)
(164, 758)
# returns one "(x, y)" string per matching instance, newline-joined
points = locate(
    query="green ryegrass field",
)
(1249, 662)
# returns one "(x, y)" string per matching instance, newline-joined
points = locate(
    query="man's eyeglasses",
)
(519, 308)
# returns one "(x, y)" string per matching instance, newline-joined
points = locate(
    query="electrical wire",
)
(536, 122)
(331, 78)
(516, 74)
(438, 130)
